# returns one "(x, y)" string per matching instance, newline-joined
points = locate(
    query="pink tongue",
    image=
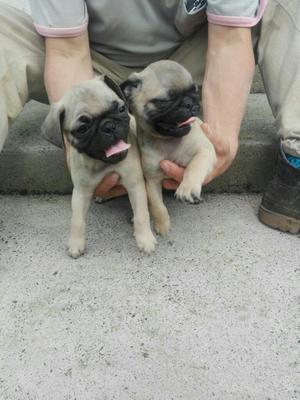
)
(116, 148)
(187, 122)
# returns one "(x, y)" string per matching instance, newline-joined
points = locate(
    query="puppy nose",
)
(188, 105)
(109, 127)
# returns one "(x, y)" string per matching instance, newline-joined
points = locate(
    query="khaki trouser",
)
(22, 65)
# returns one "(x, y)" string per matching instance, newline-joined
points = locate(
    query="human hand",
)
(226, 150)
(109, 187)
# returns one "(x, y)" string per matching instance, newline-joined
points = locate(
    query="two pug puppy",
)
(101, 138)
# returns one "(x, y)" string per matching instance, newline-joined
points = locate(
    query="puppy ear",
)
(130, 85)
(53, 125)
(114, 87)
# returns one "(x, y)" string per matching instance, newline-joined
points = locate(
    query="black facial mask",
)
(97, 134)
(169, 113)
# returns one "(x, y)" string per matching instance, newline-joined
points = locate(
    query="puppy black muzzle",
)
(170, 117)
(95, 136)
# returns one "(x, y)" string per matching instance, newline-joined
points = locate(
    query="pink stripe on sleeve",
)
(241, 22)
(61, 32)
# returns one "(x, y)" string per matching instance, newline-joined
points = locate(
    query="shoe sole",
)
(278, 221)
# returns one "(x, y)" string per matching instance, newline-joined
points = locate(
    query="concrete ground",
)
(213, 314)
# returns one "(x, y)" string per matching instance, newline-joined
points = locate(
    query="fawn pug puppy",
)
(165, 102)
(100, 138)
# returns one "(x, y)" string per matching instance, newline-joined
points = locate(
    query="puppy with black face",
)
(100, 138)
(165, 102)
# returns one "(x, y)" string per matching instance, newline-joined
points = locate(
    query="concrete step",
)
(28, 164)
(257, 84)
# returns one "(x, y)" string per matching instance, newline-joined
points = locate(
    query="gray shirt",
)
(135, 33)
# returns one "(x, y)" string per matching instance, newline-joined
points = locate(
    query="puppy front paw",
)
(146, 242)
(76, 248)
(162, 225)
(189, 193)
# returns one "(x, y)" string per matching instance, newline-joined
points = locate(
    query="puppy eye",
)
(84, 123)
(122, 109)
(194, 90)
(160, 102)
(84, 119)
(82, 129)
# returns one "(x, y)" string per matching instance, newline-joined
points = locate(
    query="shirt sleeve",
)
(57, 18)
(238, 13)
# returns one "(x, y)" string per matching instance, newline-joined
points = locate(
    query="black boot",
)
(280, 206)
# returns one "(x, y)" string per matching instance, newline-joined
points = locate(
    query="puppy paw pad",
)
(75, 253)
(146, 244)
(162, 229)
(188, 194)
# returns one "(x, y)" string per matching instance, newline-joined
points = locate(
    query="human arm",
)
(67, 63)
(228, 75)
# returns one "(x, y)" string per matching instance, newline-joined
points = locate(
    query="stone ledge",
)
(28, 164)
(257, 84)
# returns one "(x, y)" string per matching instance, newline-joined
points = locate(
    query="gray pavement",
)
(213, 314)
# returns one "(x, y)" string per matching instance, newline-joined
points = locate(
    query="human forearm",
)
(229, 72)
(228, 76)
(68, 62)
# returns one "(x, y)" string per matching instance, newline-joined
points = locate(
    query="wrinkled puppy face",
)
(96, 121)
(163, 98)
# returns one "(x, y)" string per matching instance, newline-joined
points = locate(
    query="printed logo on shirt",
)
(194, 6)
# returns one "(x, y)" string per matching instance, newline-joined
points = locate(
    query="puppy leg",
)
(141, 220)
(195, 173)
(158, 210)
(81, 199)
